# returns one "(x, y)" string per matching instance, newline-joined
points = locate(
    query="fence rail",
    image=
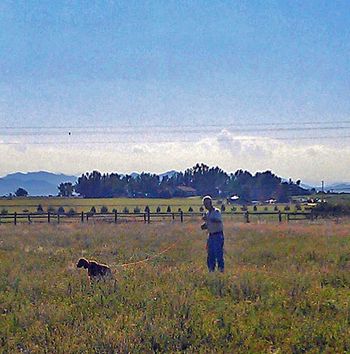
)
(147, 217)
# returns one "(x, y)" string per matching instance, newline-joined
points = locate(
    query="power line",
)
(165, 141)
(178, 131)
(152, 126)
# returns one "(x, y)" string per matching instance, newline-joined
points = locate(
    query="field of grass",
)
(285, 289)
(79, 204)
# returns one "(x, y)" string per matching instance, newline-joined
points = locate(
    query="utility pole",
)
(322, 186)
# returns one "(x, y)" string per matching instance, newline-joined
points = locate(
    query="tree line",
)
(198, 180)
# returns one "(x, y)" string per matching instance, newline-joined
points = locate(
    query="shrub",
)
(190, 209)
(4, 211)
(40, 209)
(51, 209)
(266, 208)
(25, 211)
(255, 208)
(168, 210)
(234, 209)
(114, 210)
(275, 208)
(60, 210)
(179, 210)
(71, 212)
(223, 208)
(104, 209)
(125, 210)
(244, 208)
(93, 210)
(147, 209)
(137, 210)
(158, 209)
(287, 207)
(298, 207)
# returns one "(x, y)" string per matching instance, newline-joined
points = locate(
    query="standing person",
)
(215, 243)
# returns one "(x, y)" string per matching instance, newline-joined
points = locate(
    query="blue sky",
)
(177, 63)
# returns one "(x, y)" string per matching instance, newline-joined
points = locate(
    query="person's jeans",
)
(215, 246)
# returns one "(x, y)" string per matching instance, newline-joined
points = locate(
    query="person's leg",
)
(220, 253)
(211, 254)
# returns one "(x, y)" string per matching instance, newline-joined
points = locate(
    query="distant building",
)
(184, 191)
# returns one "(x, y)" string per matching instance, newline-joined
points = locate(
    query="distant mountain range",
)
(35, 183)
(43, 183)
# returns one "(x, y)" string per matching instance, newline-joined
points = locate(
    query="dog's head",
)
(83, 263)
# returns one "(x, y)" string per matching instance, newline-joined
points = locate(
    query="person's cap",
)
(207, 197)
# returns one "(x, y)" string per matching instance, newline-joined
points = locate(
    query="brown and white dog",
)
(96, 271)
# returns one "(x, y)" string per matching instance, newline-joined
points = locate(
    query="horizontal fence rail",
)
(146, 217)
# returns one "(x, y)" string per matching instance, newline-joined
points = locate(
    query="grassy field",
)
(78, 204)
(285, 290)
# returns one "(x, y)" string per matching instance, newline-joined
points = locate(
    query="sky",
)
(159, 85)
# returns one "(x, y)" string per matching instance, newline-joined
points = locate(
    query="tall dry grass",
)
(286, 289)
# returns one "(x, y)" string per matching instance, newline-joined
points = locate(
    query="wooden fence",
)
(147, 217)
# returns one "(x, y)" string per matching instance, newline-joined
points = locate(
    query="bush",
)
(104, 209)
(244, 208)
(233, 209)
(4, 211)
(125, 210)
(60, 210)
(158, 209)
(179, 210)
(275, 208)
(71, 212)
(266, 208)
(137, 210)
(255, 208)
(25, 211)
(298, 207)
(40, 209)
(223, 208)
(190, 209)
(287, 208)
(114, 210)
(93, 210)
(168, 210)
(147, 209)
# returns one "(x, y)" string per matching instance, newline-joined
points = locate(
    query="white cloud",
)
(309, 162)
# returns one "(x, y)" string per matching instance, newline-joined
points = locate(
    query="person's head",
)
(207, 202)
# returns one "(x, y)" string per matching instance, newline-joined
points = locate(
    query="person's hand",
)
(204, 226)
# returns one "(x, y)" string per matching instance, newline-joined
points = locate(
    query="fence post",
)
(287, 217)
(173, 215)
(15, 218)
(148, 216)
(48, 217)
(58, 218)
(82, 216)
(182, 216)
(29, 219)
(279, 216)
(115, 216)
(247, 217)
(144, 217)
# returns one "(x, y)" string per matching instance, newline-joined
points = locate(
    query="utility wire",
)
(174, 131)
(165, 126)
(116, 142)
